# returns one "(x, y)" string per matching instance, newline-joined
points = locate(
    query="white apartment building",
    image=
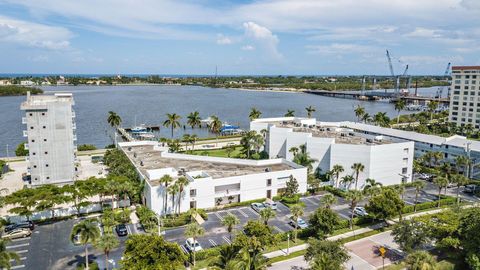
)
(51, 138)
(330, 144)
(465, 96)
(213, 181)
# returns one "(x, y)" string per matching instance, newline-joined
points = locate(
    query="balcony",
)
(227, 193)
(24, 120)
(74, 126)
(25, 133)
(73, 114)
(75, 137)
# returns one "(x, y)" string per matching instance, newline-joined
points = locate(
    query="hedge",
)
(335, 191)
(230, 205)
(207, 253)
(429, 205)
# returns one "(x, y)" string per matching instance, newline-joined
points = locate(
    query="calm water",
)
(149, 104)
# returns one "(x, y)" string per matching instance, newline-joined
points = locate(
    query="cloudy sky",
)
(240, 37)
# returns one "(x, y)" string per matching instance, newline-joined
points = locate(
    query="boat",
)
(139, 129)
(207, 121)
(146, 135)
(230, 129)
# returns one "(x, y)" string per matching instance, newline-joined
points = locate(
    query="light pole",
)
(288, 243)
(159, 223)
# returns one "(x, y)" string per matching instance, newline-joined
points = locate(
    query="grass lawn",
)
(218, 152)
(442, 265)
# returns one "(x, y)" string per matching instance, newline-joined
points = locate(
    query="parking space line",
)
(18, 266)
(343, 215)
(243, 213)
(310, 201)
(21, 239)
(278, 229)
(226, 239)
(218, 216)
(184, 249)
(19, 245)
(21, 251)
(128, 230)
(253, 211)
(212, 242)
(408, 202)
(21, 259)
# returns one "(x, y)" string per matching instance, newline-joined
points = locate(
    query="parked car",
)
(17, 233)
(270, 204)
(192, 245)
(470, 188)
(21, 225)
(426, 176)
(258, 207)
(360, 211)
(299, 223)
(121, 230)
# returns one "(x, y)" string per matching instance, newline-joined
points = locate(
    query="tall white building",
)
(465, 96)
(51, 138)
(387, 161)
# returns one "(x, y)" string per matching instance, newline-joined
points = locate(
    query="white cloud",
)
(223, 40)
(421, 32)
(248, 48)
(262, 36)
(33, 34)
(340, 48)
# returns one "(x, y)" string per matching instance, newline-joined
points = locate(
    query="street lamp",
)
(288, 243)
(159, 223)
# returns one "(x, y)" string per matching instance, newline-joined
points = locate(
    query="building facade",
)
(465, 96)
(331, 143)
(50, 132)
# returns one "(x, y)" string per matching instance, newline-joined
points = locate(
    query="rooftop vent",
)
(268, 169)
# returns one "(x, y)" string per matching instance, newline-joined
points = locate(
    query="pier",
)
(125, 135)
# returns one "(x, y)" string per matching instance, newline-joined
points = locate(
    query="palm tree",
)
(372, 187)
(354, 196)
(328, 199)
(441, 182)
(347, 180)
(114, 119)
(399, 106)
(186, 140)
(172, 121)
(230, 221)
(254, 114)
(174, 145)
(297, 212)
(381, 119)
(462, 163)
(225, 259)
(106, 243)
(310, 109)
(165, 180)
(248, 260)
(87, 232)
(6, 256)
(215, 125)
(357, 169)
(173, 190)
(194, 119)
(293, 150)
(336, 170)
(194, 231)
(181, 182)
(290, 113)
(432, 106)
(420, 260)
(266, 214)
(460, 180)
(359, 112)
(366, 118)
(193, 140)
(418, 185)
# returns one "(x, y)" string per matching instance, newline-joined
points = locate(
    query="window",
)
(193, 192)
(405, 160)
(405, 150)
(43, 113)
(31, 127)
(44, 140)
(269, 182)
(44, 127)
(33, 140)
(33, 153)
(34, 166)
(404, 170)
(46, 165)
(46, 153)
(48, 177)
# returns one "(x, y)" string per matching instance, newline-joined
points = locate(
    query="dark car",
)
(21, 225)
(121, 230)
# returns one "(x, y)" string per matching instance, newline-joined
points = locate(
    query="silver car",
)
(17, 233)
(258, 207)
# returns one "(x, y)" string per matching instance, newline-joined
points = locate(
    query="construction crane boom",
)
(447, 70)
(390, 64)
(405, 72)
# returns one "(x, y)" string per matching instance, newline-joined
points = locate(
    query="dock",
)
(125, 135)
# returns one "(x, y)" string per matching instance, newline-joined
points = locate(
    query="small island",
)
(17, 90)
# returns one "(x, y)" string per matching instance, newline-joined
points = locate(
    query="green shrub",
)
(207, 253)
(21, 151)
(290, 200)
(429, 205)
(86, 147)
(245, 203)
(335, 191)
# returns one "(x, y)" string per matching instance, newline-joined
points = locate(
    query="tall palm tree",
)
(381, 119)
(230, 221)
(194, 119)
(87, 232)
(248, 260)
(399, 106)
(290, 113)
(215, 125)
(420, 260)
(372, 187)
(357, 169)
(418, 185)
(225, 259)
(297, 211)
(105, 244)
(462, 163)
(441, 182)
(432, 106)
(254, 114)
(310, 109)
(354, 196)
(336, 170)
(193, 140)
(347, 180)
(293, 150)
(173, 190)
(459, 180)
(181, 182)
(114, 119)
(366, 118)
(266, 214)
(172, 121)
(165, 181)
(6, 256)
(194, 231)
(328, 200)
(359, 112)
(186, 139)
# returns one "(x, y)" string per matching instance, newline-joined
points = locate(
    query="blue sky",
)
(240, 37)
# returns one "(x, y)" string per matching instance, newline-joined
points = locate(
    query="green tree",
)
(249, 260)
(172, 122)
(225, 259)
(410, 235)
(297, 211)
(354, 196)
(254, 114)
(313, 183)
(385, 205)
(49, 196)
(173, 190)
(440, 182)
(399, 106)
(78, 193)
(194, 119)
(432, 106)
(420, 260)
(113, 119)
(310, 110)
(24, 202)
(290, 113)
(107, 243)
(357, 169)
(151, 252)
(336, 171)
(291, 187)
(323, 221)
(418, 185)
(366, 118)
(20, 151)
(165, 181)
(303, 157)
(215, 125)
(326, 255)
(230, 221)
(181, 182)
(266, 214)
(468, 229)
(359, 112)
(6, 257)
(261, 232)
(347, 181)
(328, 200)
(194, 231)
(87, 232)
(381, 119)
(459, 180)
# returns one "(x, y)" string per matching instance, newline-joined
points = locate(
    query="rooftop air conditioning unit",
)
(268, 169)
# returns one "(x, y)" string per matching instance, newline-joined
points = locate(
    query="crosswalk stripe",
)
(21, 239)
(21, 259)
(218, 216)
(212, 242)
(18, 266)
(21, 251)
(19, 245)
(184, 249)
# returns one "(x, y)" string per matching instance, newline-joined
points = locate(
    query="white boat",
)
(207, 121)
(139, 129)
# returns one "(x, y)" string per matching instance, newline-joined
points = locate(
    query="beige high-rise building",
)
(465, 96)
(51, 138)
